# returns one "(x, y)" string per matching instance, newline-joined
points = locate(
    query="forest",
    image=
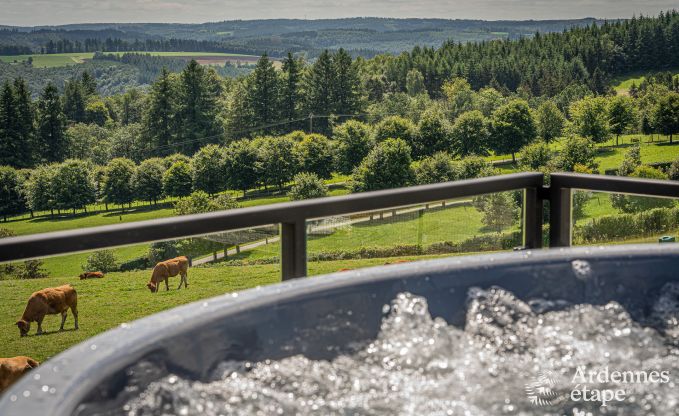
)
(420, 117)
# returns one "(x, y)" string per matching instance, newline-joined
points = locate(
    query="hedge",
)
(627, 225)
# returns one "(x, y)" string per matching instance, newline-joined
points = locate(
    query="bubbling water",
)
(512, 357)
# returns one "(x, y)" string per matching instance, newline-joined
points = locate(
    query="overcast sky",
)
(44, 12)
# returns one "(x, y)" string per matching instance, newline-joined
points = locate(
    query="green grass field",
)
(622, 84)
(64, 59)
(123, 297)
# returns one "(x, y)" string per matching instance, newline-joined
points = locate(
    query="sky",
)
(56, 12)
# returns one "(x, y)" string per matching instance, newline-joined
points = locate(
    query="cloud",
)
(41, 12)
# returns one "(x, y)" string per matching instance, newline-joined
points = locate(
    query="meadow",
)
(65, 59)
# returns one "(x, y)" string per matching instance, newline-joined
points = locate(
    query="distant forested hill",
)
(359, 36)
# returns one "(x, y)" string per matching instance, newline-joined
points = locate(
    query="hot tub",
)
(324, 317)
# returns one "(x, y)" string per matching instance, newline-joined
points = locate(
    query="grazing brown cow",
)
(49, 301)
(166, 269)
(91, 275)
(11, 369)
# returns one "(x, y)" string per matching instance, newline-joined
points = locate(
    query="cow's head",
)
(24, 327)
(152, 287)
(83, 276)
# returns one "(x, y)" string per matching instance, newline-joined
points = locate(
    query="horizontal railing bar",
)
(616, 184)
(86, 239)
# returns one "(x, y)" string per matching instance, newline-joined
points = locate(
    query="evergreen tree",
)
(290, 90)
(264, 93)
(197, 110)
(159, 119)
(89, 84)
(345, 87)
(10, 139)
(318, 85)
(51, 141)
(25, 122)
(74, 101)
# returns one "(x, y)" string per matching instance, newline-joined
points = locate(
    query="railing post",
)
(293, 249)
(560, 221)
(532, 219)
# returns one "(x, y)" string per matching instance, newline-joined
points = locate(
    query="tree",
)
(72, 185)
(177, 179)
(199, 202)
(318, 85)
(101, 261)
(274, 160)
(631, 161)
(536, 156)
(52, 144)
(10, 140)
(264, 92)
(25, 123)
(470, 134)
(415, 83)
(666, 115)
(436, 168)
(576, 151)
(207, 167)
(197, 108)
(307, 186)
(148, 180)
(434, 134)
(240, 164)
(119, 182)
(459, 96)
(74, 101)
(290, 89)
(11, 200)
(590, 119)
(499, 210)
(549, 121)
(396, 127)
(37, 188)
(89, 84)
(354, 141)
(315, 154)
(128, 142)
(386, 166)
(673, 171)
(487, 100)
(97, 113)
(89, 142)
(512, 127)
(621, 115)
(159, 119)
(345, 88)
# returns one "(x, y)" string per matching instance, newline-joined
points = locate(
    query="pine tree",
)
(9, 127)
(158, 120)
(74, 101)
(25, 123)
(51, 140)
(345, 88)
(290, 93)
(264, 90)
(319, 88)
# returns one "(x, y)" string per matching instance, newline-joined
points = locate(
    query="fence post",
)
(293, 249)
(532, 219)
(560, 221)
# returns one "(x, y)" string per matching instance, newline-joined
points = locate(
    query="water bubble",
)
(582, 269)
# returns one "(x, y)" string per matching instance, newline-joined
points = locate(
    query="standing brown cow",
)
(11, 369)
(169, 268)
(49, 301)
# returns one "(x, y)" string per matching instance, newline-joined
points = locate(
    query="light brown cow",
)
(166, 269)
(49, 301)
(11, 369)
(91, 275)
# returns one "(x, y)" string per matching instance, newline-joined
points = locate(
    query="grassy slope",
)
(123, 297)
(622, 84)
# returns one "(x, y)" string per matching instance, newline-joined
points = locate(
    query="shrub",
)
(162, 250)
(576, 151)
(535, 156)
(199, 202)
(386, 166)
(436, 169)
(631, 161)
(101, 261)
(308, 186)
(632, 203)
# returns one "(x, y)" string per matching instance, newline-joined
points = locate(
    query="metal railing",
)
(293, 216)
